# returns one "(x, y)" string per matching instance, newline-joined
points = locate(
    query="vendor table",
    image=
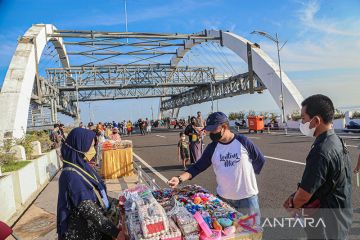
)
(117, 163)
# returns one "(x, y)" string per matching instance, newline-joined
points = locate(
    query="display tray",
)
(190, 212)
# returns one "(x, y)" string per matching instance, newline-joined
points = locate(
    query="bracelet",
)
(180, 180)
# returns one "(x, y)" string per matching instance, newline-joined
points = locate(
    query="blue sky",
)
(322, 54)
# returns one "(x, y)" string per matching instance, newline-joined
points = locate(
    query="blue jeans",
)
(246, 206)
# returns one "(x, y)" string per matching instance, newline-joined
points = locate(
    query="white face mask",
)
(306, 130)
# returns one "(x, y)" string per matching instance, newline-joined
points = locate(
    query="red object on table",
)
(156, 227)
(5, 231)
(242, 223)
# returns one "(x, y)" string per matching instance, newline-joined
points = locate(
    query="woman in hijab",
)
(115, 136)
(195, 145)
(82, 201)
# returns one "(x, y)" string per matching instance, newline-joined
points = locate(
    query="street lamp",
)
(277, 42)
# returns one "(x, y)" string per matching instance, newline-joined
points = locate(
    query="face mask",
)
(90, 154)
(306, 130)
(183, 138)
(215, 137)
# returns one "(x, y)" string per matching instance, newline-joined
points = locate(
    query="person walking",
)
(195, 144)
(200, 123)
(129, 127)
(183, 150)
(56, 137)
(148, 126)
(124, 127)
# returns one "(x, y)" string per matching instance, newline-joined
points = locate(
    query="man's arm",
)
(314, 177)
(201, 165)
(254, 152)
(299, 199)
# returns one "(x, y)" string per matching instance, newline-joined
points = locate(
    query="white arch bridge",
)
(148, 65)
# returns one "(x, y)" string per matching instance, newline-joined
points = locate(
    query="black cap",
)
(214, 120)
(90, 124)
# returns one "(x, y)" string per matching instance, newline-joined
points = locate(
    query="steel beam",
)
(230, 87)
(127, 77)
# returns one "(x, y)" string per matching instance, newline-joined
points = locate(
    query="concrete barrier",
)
(339, 123)
(293, 124)
(20, 188)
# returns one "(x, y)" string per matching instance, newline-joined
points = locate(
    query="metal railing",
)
(145, 178)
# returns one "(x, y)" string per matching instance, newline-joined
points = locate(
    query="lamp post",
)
(277, 42)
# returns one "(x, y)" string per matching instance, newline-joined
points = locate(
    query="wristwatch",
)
(180, 180)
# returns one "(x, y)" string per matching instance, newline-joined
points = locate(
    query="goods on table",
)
(153, 219)
(189, 213)
(143, 210)
(112, 145)
(185, 221)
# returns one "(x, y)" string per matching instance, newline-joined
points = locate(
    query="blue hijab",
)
(73, 189)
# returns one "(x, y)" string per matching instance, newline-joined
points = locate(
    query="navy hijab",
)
(73, 189)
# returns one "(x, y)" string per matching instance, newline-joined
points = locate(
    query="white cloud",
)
(308, 55)
(322, 43)
(308, 17)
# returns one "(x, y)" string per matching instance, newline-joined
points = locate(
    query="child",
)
(183, 150)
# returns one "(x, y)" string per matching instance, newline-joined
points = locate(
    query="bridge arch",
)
(267, 70)
(19, 80)
(16, 92)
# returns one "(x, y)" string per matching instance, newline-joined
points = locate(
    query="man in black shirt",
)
(324, 191)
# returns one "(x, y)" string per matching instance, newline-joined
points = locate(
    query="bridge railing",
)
(144, 177)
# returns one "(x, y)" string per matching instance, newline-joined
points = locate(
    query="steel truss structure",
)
(126, 82)
(96, 75)
(230, 87)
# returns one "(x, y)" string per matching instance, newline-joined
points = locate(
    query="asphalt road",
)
(285, 157)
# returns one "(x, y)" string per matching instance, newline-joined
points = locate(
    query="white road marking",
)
(302, 136)
(160, 136)
(254, 137)
(354, 146)
(285, 160)
(151, 168)
(165, 180)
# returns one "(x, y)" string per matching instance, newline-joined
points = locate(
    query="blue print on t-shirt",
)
(229, 159)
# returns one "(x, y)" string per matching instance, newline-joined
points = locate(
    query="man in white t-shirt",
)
(235, 160)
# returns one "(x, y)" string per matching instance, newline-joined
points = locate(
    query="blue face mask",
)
(105, 199)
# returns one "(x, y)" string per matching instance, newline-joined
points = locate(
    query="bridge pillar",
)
(18, 84)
